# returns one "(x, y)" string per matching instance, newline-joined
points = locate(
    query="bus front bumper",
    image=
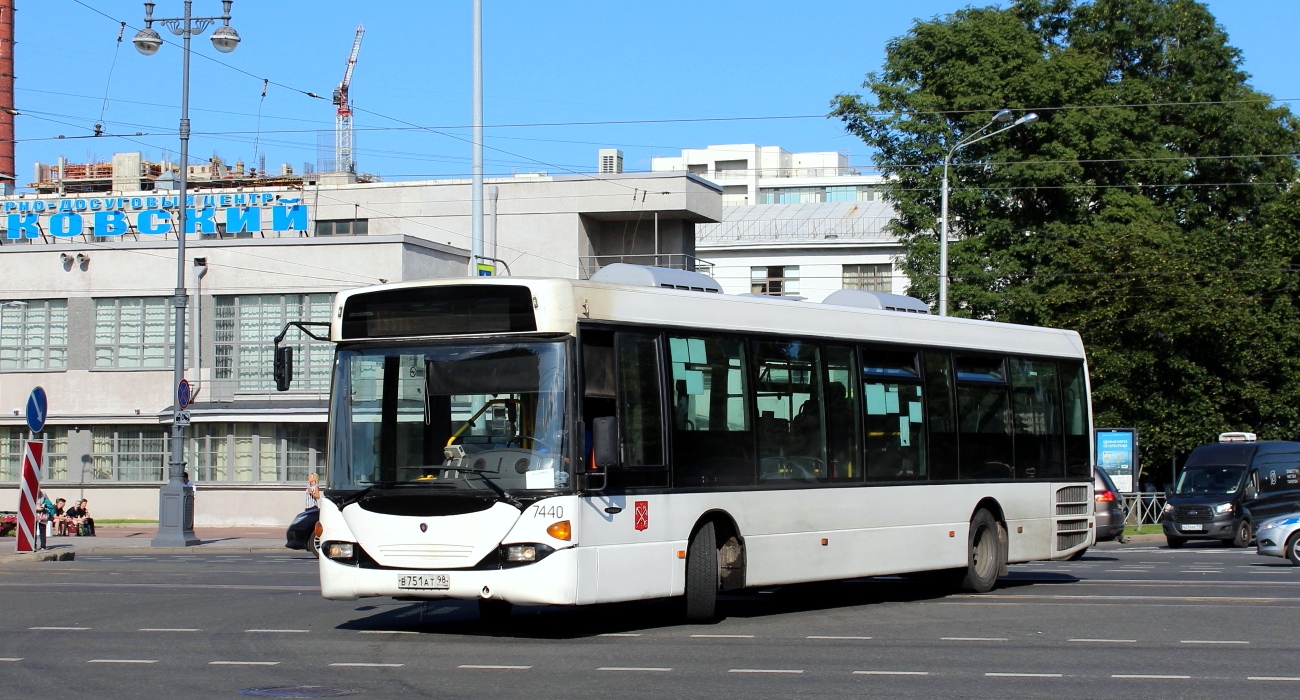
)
(551, 581)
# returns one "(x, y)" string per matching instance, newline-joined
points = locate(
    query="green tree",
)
(1150, 208)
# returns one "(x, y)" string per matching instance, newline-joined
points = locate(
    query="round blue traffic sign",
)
(37, 410)
(183, 394)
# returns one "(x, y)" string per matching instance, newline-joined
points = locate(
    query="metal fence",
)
(1143, 508)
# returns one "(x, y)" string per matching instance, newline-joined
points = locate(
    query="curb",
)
(44, 555)
(187, 550)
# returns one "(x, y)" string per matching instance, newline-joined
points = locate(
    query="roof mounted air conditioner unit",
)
(1236, 437)
(646, 276)
(877, 300)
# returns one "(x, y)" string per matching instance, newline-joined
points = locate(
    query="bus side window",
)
(787, 393)
(894, 416)
(1039, 437)
(939, 401)
(1078, 461)
(842, 415)
(984, 418)
(712, 439)
(640, 400)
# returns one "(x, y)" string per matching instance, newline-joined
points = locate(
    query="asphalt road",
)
(1135, 621)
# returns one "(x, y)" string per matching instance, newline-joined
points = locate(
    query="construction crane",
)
(343, 161)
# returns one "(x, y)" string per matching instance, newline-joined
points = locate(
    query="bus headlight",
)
(521, 553)
(344, 552)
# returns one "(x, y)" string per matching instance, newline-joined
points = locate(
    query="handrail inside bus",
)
(465, 426)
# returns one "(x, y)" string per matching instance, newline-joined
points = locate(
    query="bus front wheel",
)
(702, 575)
(984, 554)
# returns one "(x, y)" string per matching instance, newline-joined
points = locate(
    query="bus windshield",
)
(484, 417)
(1209, 480)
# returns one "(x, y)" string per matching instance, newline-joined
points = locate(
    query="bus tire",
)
(493, 610)
(983, 554)
(702, 575)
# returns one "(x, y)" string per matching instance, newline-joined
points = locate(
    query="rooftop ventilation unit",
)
(877, 300)
(1236, 437)
(646, 276)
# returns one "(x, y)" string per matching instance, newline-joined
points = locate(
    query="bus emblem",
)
(641, 515)
(424, 527)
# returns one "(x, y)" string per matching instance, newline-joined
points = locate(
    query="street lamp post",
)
(1002, 117)
(175, 502)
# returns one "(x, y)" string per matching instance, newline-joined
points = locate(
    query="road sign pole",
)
(28, 488)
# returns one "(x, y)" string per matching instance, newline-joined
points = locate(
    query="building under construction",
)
(130, 172)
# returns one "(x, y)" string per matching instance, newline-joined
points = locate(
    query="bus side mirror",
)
(604, 435)
(283, 368)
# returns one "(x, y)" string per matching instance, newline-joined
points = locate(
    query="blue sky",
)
(546, 62)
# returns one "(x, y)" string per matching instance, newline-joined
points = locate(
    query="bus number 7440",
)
(541, 511)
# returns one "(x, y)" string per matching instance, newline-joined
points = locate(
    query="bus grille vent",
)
(1073, 500)
(1070, 533)
(425, 555)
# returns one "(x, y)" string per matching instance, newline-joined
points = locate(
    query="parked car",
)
(1108, 507)
(1280, 537)
(302, 532)
(1225, 487)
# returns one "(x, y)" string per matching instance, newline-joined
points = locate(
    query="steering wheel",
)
(518, 441)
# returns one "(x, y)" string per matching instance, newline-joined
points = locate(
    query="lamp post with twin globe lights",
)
(175, 502)
(1002, 117)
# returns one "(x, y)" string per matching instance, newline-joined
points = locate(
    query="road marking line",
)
(47, 629)
(973, 639)
(9, 660)
(1149, 676)
(1210, 641)
(386, 632)
(488, 667)
(243, 663)
(765, 670)
(1272, 678)
(168, 629)
(891, 673)
(354, 664)
(722, 636)
(634, 668)
(277, 631)
(1023, 675)
(122, 661)
(822, 636)
(621, 634)
(1107, 641)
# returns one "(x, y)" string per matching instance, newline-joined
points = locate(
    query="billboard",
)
(1117, 455)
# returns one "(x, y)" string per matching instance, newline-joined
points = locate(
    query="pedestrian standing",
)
(313, 492)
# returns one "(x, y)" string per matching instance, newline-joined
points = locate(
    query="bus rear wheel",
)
(984, 554)
(702, 578)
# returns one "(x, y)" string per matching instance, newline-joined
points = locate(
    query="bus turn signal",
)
(560, 530)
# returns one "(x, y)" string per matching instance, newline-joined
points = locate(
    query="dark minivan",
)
(1226, 487)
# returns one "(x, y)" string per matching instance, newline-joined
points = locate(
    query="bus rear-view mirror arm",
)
(283, 371)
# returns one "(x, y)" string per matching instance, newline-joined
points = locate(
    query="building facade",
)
(86, 313)
(793, 224)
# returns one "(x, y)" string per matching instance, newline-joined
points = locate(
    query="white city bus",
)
(642, 435)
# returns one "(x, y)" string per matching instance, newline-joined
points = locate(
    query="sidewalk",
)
(119, 539)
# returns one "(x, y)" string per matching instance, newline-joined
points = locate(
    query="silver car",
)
(1280, 537)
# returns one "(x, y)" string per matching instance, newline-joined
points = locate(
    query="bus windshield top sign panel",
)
(1117, 456)
(450, 310)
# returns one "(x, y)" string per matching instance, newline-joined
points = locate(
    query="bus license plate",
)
(424, 582)
(1191, 528)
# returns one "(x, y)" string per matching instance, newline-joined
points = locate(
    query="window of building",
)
(34, 335)
(54, 457)
(851, 193)
(777, 280)
(256, 452)
(246, 327)
(134, 333)
(871, 277)
(135, 453)
(343, 227)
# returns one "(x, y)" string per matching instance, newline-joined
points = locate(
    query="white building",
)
(85, 312)
(799, 224)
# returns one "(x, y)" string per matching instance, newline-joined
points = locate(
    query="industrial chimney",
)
(8, 176)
